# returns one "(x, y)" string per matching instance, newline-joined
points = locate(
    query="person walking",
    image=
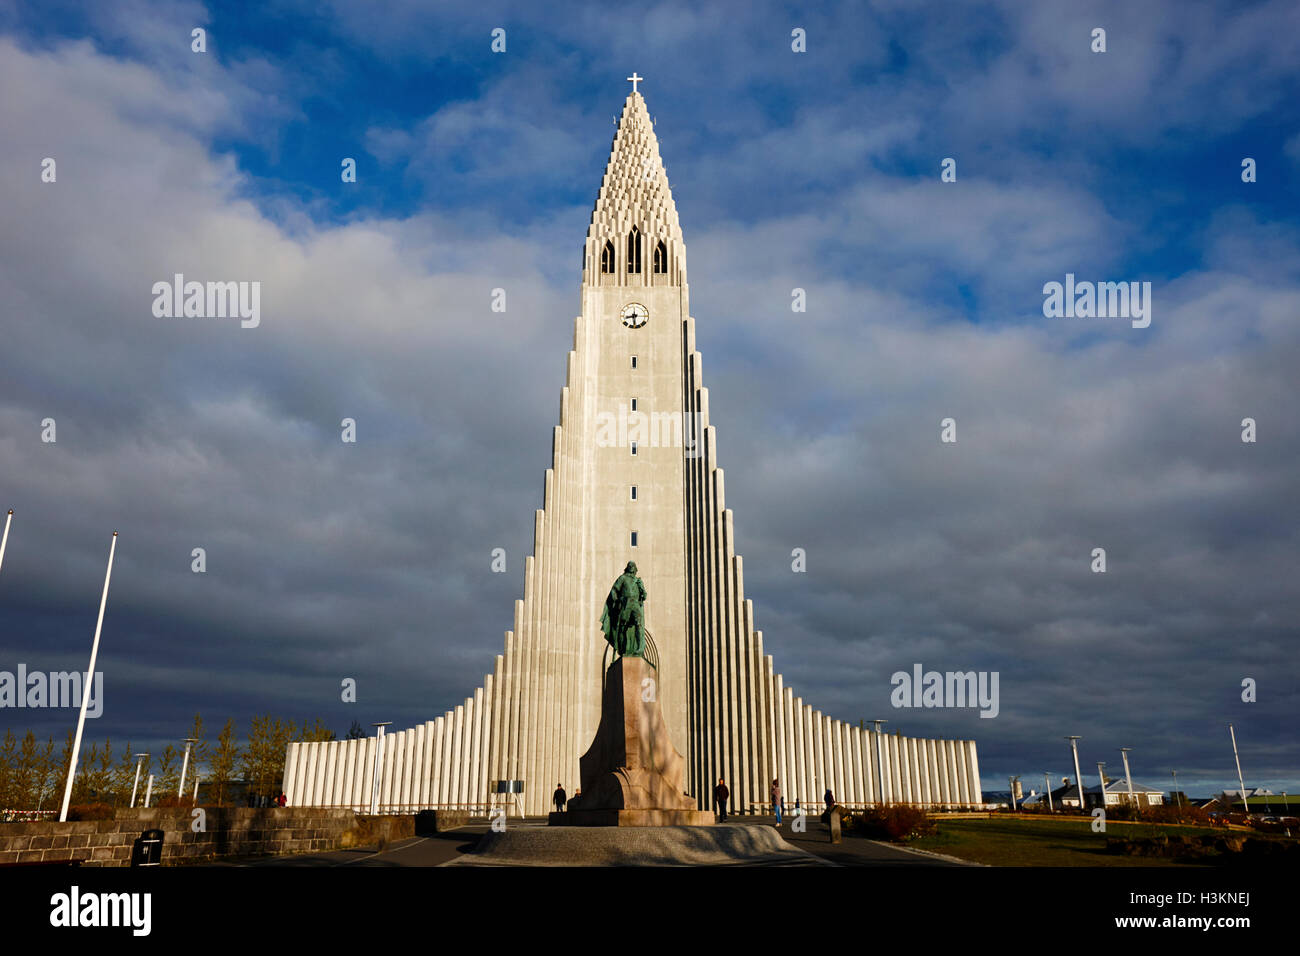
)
(828, 798)
(776, 800)
(560, 798)
(720, 795)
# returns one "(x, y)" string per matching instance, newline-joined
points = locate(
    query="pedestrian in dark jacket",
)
(828, 798)
(560, 798)
(720, 795)
(776, 800)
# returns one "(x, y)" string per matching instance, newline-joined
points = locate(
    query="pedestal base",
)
(632, 818)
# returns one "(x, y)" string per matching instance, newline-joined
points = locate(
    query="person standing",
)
(720, 795)
(776, 800)
(828, 798)
(560, 798)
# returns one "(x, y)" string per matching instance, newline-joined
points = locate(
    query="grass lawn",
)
(1012, 841)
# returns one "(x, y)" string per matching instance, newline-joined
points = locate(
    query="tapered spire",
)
(634, 193)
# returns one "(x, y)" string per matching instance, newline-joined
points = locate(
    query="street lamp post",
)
(1047, 783)
(1101, 783)
(1177, 793)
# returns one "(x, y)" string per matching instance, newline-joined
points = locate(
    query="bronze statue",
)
(623, 620)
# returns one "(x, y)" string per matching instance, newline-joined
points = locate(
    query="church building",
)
(634, 476)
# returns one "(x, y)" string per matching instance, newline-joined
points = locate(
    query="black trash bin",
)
(147, 849)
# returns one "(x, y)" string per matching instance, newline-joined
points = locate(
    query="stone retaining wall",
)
(229, 832)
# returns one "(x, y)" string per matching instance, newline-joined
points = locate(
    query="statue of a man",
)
(623, 619)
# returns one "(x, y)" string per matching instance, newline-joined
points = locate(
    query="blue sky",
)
(817, 170)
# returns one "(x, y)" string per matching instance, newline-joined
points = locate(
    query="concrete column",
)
(954, 782)
(457, 733)
(468, 769)
(798, 777)
(945, 783)
(932, 755)
(905, 769)
(973, 758)
(360, 793)
(419, 766)
(850, 778)
(528, 687)
(367, 767)
(819, 756)
(495, 764)
(448, 759)
(339, 747)
(426, 764)
(308, 758)
(510, 710)
(343, 791)
(397, 743)
(790, 782)
(414, 751)
(435, 765)
(841, 779)
(959, 746)
(291, 775)
(322, 755)
(923, 772)
(764, 727)
(778, 726)
(485, 745)
(861, 793)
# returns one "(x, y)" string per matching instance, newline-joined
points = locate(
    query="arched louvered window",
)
(661, 257)
(634, 250)
(607, 258)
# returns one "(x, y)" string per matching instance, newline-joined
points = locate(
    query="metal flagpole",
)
(1240, 782)
(1132, 800)
(136, 786)
(185, 763)
(1078, 776)
(90, 679)
(5, 540)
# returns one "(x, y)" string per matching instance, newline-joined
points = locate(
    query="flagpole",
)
(90, 679)
(5, 540)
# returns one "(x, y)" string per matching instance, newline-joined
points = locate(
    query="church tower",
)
(633, 477)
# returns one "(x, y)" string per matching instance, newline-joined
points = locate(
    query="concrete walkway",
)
(456, 846)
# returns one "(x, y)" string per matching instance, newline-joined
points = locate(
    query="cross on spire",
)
(634, 79)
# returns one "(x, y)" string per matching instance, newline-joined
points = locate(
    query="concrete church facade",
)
(634, 476)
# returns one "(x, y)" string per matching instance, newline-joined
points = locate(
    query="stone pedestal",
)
(632, 775)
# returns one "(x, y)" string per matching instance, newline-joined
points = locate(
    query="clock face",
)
(635, 315)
